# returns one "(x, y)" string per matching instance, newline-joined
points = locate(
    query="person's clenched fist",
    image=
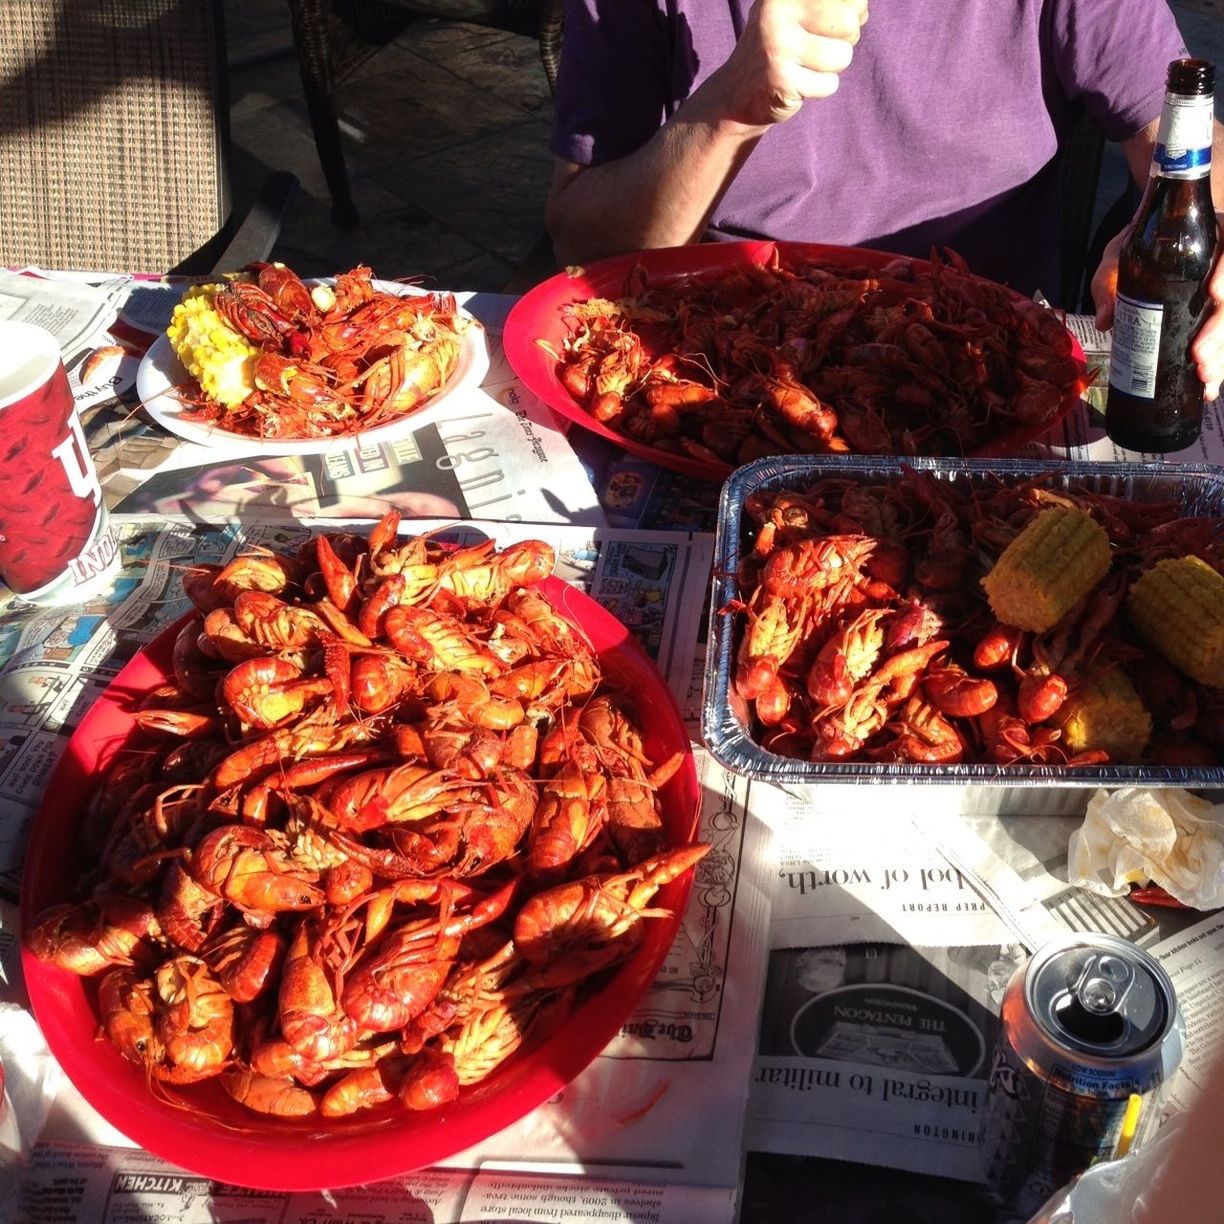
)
(790, 50)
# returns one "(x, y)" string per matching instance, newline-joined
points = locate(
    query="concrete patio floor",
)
(445, 132)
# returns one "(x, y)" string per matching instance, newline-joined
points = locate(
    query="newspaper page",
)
(881, 997)
(76, 312)
(1194, 959)
(689, 1041)
(495, 453)
(108, 1186)
(637, 493)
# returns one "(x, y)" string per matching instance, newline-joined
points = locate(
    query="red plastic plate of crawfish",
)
(200, 1128)
(539, 316)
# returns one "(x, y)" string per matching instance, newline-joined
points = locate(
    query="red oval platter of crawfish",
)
(197, 1125)
(706, 357)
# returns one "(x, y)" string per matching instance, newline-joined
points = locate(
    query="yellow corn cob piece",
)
(1106, 712)
(1178, 607)
(1047, 569)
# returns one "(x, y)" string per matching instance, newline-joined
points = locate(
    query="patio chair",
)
(334, 37)
(1115, 218)
(1079, 178)
(1083, 244)
(114, 140)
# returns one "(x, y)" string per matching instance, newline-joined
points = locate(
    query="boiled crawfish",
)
(864, 634)
(374, 760)
(330, 363)
(798, 356)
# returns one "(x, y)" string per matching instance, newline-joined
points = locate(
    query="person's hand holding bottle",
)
(1207, 348)
(1166, 265)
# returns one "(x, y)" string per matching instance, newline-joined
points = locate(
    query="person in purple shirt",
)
(930, 125)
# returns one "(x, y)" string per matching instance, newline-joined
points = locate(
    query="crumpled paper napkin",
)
(31, 1079)
(1115, 1191)
(1133, 835)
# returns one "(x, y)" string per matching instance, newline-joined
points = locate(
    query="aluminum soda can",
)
(1089, 1035)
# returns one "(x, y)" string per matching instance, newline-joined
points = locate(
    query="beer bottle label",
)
(1183, 141)
(1135, 346)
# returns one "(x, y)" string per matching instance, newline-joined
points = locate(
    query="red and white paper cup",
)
(56, 544)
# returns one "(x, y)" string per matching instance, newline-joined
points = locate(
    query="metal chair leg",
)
(331, 157)
(311, 32)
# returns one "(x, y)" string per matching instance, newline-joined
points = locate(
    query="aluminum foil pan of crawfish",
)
(387, 823)
(938, 620)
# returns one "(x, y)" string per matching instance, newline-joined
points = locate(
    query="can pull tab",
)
(1103, 984)
(1090, 1008)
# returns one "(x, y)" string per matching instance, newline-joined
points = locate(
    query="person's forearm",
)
(660, 195)
(663, 193)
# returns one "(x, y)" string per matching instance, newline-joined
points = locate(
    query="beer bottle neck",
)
(1183, 141)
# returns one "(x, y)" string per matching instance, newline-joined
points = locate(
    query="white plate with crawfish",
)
(161, 377)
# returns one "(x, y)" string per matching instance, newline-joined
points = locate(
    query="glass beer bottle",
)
(1155, 399)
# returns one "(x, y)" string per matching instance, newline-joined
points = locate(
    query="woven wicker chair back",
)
(113, 132)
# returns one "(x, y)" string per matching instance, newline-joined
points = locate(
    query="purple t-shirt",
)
(943, 130)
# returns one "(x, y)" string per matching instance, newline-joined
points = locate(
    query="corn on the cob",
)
(1106, 712)
(1047, 569)
(1178, 607)
(215, 355)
